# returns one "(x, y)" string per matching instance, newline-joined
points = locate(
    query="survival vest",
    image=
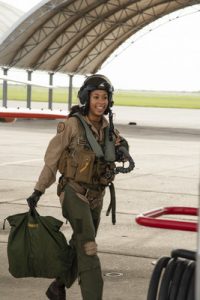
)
(89, 162)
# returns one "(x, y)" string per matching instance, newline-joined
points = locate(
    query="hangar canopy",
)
(77, 36)
(8, 16)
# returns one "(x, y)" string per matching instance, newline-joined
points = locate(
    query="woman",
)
(84, 153)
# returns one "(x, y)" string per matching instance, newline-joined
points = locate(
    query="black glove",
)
(33, 199)
(120, 153)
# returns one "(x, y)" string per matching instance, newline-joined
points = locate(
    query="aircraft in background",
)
(27, 82)
(9, 115)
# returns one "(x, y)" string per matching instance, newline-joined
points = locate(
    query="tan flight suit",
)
(81, 205)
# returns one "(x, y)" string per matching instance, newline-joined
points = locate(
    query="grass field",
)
(121, 97)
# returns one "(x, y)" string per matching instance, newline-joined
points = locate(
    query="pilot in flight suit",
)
(84, 175)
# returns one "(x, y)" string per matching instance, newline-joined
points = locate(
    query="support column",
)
(50, 99)
(5, 87)
(29, 89)
(70, 91)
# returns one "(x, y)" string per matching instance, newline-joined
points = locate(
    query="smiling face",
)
(98, 104)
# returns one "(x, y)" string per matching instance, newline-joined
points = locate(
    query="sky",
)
(164, 56)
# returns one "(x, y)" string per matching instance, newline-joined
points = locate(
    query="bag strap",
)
(4, 223)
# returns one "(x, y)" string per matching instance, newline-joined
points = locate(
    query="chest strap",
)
(109, 154)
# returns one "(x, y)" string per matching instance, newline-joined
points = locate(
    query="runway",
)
(166, 174)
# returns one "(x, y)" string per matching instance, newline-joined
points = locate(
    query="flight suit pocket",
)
(85, 166)
(71, 167)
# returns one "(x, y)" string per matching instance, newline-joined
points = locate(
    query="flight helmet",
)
(95, 82)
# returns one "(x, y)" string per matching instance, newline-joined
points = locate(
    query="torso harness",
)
(92, 164)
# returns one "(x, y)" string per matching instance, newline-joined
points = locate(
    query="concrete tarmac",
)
(165, 145)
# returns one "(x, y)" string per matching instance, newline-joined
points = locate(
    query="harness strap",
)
(112, 205)
(109, 147)
(109, 154)
(90, 137)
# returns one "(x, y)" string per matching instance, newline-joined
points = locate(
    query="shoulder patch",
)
(60, 127)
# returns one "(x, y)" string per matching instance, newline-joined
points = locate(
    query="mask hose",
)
(123, 155)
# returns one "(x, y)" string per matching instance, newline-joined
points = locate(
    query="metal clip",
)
(86, 193)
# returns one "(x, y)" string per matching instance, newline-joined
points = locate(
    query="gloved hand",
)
(121, 153)
(33, 199)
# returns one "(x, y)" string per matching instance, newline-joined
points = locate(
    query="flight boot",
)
(56, 291)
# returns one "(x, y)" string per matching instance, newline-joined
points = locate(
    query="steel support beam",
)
(5, 87)
(70, 91)
(50, 98)
(29, 89)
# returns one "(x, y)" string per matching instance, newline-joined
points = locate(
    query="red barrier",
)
(150, 218)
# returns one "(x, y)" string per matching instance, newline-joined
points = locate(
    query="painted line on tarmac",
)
(19, 162)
